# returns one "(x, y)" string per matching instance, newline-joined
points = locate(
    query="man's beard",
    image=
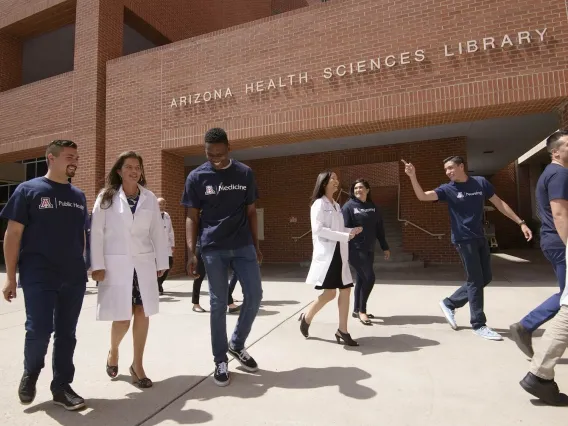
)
(70, 173)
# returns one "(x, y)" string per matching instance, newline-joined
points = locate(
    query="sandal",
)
(141, 383)
(111, 370)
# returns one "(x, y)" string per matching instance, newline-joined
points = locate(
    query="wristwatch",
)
(522, 222)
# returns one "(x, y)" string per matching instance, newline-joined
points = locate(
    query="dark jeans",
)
(550, 307)
(52, 307)
(244, 263)
(362, 263)
(198, 281)
(476, 259)
(163, 277)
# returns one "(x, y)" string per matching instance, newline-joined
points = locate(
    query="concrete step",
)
(394, 265)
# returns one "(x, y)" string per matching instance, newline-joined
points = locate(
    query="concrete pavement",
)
(411, 367)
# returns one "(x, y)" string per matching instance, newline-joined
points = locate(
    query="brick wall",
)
(282, 6)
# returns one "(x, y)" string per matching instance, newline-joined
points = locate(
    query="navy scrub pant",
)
(476, 259)
(362, 263)
(52, 307)
(550, 307)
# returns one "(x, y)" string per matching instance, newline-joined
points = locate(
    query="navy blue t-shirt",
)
(552, 185)
(367, 215)
(465, 205)
(222, 196)
(55, 218)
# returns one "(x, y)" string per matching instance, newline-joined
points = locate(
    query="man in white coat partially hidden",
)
(129, 251)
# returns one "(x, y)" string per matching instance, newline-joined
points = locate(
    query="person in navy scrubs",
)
(552, 206)
(360, 210)
(45, 239)
(465, 196)
(224, 191)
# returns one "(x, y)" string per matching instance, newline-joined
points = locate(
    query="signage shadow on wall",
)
(288, 93)
(375, 77)
(508, 56)
(206, 108)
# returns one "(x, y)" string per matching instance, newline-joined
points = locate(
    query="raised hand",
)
(408, 168)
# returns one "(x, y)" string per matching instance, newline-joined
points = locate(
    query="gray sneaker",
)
(449, 314)
(488, 333)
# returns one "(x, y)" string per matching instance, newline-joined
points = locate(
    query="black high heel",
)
(141, 383)
(304, 326)
(346, 338)
(111, 370)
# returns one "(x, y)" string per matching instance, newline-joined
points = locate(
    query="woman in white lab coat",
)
(329, 270)
(128, 252)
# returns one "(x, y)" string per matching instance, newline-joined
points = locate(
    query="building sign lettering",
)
(374, 64)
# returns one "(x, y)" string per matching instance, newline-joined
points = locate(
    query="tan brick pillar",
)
(10, 62)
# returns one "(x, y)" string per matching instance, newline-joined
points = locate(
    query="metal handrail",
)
(341, 191)
(407, 222)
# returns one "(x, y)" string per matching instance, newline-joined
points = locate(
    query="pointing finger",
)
(404, 162)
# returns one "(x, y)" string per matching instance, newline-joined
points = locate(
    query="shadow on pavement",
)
(375, 345)
(409, 320)
(134, 409)
(255, 385)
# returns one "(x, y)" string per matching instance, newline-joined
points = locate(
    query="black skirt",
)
(334, 273)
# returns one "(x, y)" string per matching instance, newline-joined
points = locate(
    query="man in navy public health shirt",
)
(551, 201)
(224, 190)
(45, 238)
(466, 197)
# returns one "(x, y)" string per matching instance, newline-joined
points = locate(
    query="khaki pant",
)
(554, 343)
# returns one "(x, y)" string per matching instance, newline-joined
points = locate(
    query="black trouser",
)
(362, 262)
(476, 259)
(163, 277)
(197, 282)
(52, 307)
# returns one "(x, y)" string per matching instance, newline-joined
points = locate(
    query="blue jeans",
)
(244, 263)
(550, 307)
(476, 259)
(52, 307)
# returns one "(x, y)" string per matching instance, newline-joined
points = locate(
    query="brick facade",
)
(110, 103)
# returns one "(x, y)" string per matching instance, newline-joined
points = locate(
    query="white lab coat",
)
(122, 242)
(167, 220)
(328, 228)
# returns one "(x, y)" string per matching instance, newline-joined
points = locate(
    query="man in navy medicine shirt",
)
(552, 206)
(466, 197)
(224, 191)
(45, 238)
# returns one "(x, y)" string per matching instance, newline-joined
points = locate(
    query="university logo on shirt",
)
(460, 194)
(209, 190)
(45, 203)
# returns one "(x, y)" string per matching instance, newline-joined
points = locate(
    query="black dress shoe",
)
(545, 390)
(68, 398)
(27, 388)
(523, 338)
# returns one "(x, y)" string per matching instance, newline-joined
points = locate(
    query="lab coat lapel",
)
(141, 198)
(124, 209)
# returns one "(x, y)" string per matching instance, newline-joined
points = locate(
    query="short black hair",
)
(216, 135)
(455, 159)
(56, 146)
(554, 140)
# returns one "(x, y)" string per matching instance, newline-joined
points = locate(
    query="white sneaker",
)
(449, 314)
(488, 333)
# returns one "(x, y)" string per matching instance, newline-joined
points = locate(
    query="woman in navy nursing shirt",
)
(361, 211)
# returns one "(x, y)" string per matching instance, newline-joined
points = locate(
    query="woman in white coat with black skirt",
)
(129, 252)
(329, 270)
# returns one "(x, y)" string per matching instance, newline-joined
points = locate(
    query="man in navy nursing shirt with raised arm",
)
(224, 191)
(45, 238)
(466, 197)
(552, 206)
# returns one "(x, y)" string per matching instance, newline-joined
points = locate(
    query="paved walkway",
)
(411, 368)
